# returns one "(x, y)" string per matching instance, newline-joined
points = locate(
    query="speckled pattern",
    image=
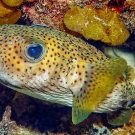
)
(70, 71)
(64, 55)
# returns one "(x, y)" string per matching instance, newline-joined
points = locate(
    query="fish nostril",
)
(34, 52)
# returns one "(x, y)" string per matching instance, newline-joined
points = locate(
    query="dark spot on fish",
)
(18, 62)
(86, 72)
(83, 66)
(75, 81)
(14, 57)
(18, 69)
(80, 73)
(85, 82)
(16, 52)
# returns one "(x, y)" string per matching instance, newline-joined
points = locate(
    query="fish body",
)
(126, 53)
(54, 66)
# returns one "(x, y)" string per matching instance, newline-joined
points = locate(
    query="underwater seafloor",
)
(24, 115)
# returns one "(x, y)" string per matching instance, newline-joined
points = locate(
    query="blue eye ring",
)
(34, 52)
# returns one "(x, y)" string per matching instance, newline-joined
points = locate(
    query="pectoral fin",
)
(102, 78)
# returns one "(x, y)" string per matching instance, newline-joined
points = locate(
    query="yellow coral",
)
(97, 24)
(8, 15)
(13, 3)
(4, 10)
(11, 18)
(29, 0)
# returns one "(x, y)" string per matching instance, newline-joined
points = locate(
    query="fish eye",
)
(34, 52)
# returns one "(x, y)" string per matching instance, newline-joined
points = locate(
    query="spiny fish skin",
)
(62, 64)
(71, 72)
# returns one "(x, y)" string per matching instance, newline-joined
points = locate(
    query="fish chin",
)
(37, 88)
(7, 82)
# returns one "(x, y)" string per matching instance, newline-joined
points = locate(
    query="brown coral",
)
(47, 12)
(97, 24)
(8, 127)
(128, 14)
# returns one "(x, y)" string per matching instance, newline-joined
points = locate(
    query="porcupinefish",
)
(54, 66)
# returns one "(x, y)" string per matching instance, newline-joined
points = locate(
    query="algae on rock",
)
(97, 24)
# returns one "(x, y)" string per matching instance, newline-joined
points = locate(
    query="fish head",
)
(31, 55)
(32, 58)
(42, 61)
(20, 55)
